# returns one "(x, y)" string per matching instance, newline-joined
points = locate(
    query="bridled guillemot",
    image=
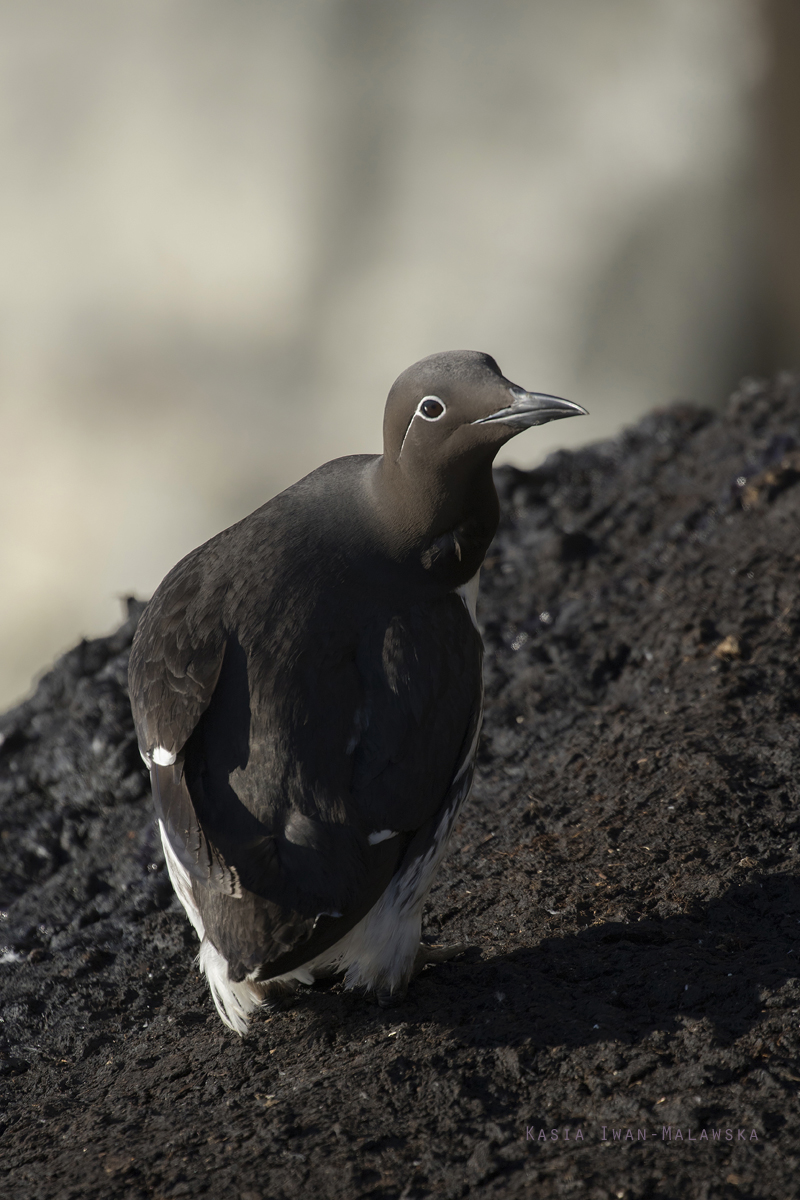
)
(307, 694)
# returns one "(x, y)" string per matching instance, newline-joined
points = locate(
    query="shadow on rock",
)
(622, 981)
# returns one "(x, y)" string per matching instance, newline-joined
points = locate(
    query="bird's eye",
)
(431, 408)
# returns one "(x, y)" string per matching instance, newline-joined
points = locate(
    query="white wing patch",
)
(381, 835)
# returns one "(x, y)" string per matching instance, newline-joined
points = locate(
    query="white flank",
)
(469, 594)
(470, 756)
(181, 882)
(164, 757)
(379, 952)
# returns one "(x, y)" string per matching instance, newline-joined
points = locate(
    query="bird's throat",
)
(446, 529)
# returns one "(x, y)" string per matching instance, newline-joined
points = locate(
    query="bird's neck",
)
(444, 524)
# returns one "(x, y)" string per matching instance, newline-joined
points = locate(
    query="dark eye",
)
(431, 408)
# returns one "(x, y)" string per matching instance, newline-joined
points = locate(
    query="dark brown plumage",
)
(307, 693)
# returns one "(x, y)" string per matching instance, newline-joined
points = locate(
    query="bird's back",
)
(307, 727)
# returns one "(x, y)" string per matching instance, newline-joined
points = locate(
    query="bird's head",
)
(448, 415)
(455, 409)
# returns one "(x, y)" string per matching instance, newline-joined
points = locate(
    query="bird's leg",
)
(425, 954)
(280, 993)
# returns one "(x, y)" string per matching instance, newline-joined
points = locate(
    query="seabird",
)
(307, 693)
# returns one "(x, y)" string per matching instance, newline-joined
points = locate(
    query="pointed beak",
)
(532, 408)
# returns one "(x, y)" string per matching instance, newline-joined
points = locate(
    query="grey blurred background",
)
(227, 225)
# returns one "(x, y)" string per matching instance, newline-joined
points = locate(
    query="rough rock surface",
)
(626, 875)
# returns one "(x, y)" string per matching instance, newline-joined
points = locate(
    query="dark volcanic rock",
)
(626, 876)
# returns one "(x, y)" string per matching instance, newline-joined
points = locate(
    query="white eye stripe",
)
(430, 401)
(419, 413)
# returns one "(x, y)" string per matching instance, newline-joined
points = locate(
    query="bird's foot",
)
(280, 993)
(388, 998)
(435, 954)
(391, 999)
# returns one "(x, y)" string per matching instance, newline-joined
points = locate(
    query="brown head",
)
(446, 418)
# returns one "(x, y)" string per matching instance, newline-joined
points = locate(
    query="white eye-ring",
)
(431, 408)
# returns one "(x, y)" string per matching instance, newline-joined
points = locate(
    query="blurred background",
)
(227, 225)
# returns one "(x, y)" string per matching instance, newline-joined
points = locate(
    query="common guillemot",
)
(307, 693)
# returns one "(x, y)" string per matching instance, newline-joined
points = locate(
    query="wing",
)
(175, 661)
(288, 844)
(172, 675)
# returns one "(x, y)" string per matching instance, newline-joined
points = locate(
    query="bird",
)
(307, 693)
